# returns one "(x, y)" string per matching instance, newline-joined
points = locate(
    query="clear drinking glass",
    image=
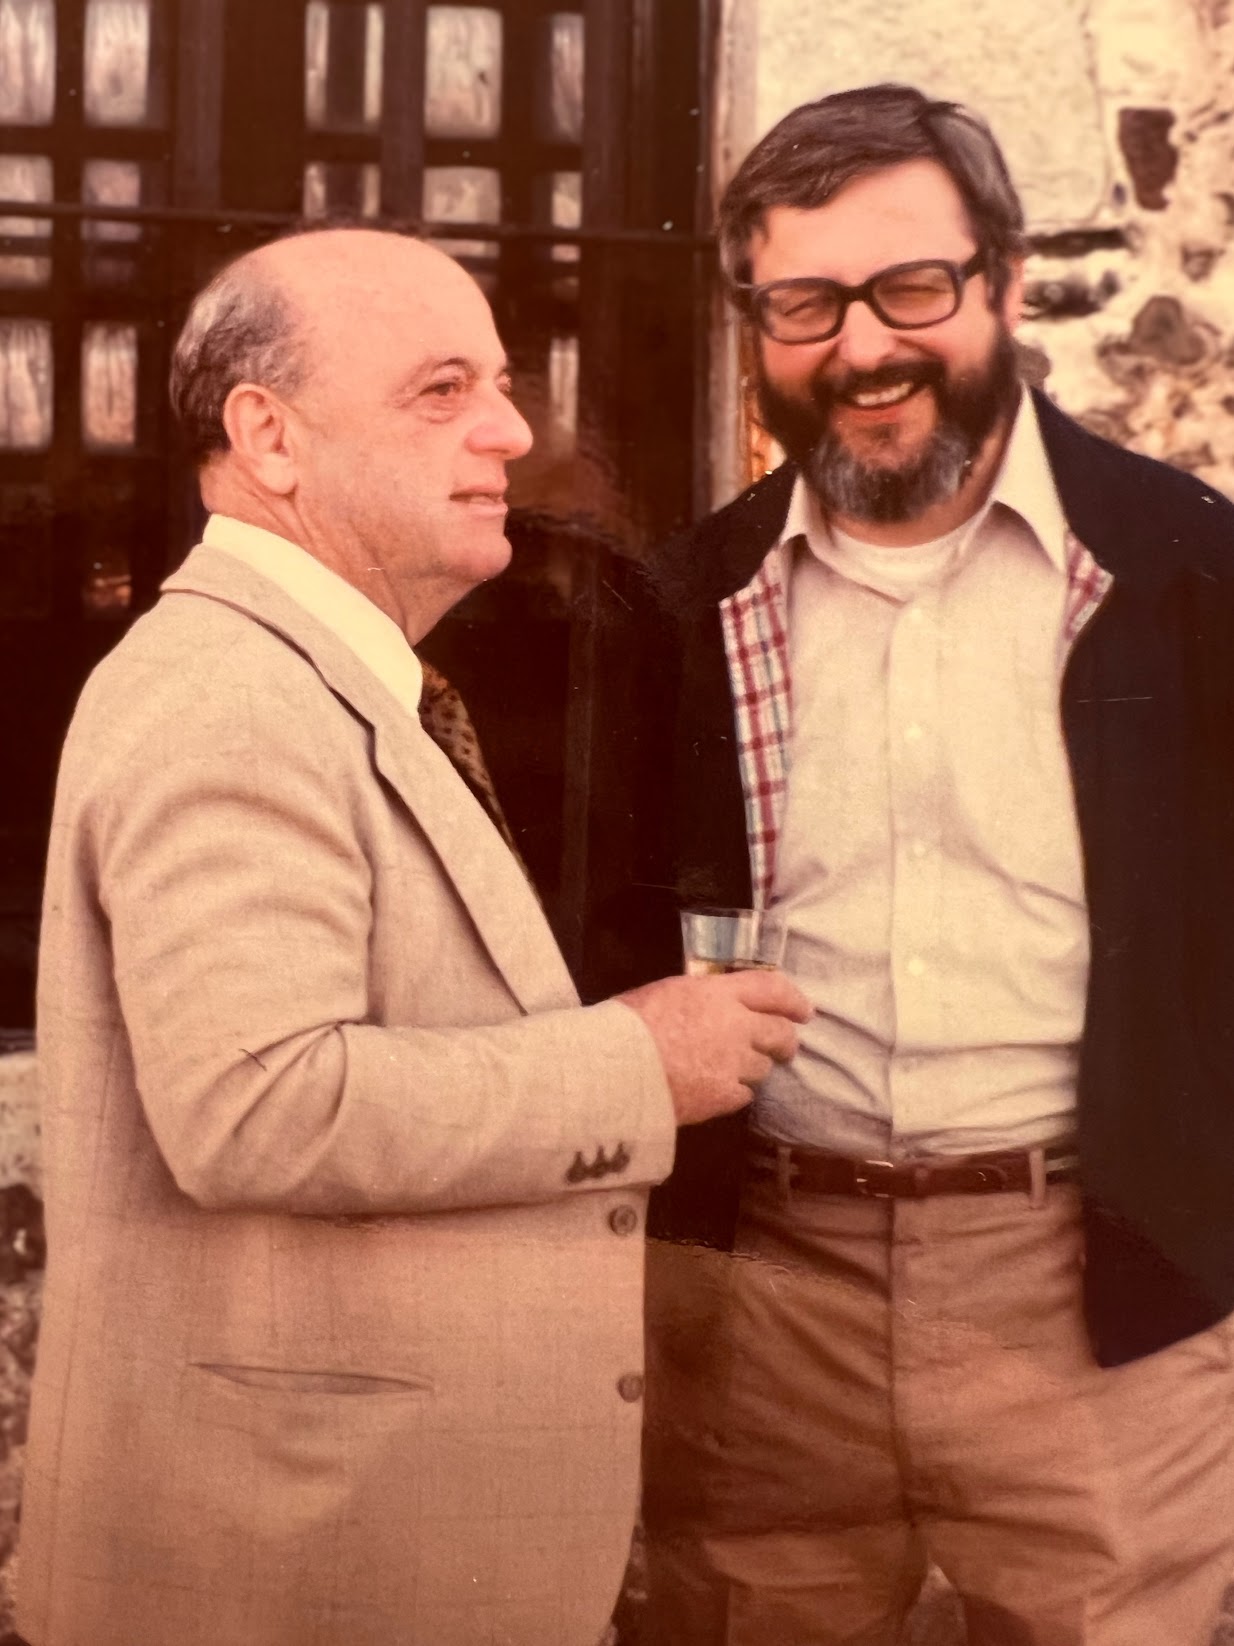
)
(730, 940)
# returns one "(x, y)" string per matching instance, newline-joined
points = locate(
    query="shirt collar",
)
(352, 617)
(1024, 484)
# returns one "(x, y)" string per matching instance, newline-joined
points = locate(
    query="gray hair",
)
(239, 329)
(818, 148)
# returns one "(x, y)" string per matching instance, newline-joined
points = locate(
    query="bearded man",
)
(953, 694)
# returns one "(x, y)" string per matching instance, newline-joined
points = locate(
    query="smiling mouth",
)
(486, 501)
(893, 394)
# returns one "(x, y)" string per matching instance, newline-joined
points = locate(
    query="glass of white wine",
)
(730, 940)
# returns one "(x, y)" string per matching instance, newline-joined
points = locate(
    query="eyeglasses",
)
(906, 296)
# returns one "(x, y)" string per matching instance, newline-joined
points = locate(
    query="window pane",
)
(25, 177)
(27, 61)
(117, 62)
(25, 551)
(25, 384)
(560, 114)
(111, 523)
(566, 210)
(111, 183)
(563, 389)
(109, 386)
(112, 250)
(342, 67)
(107, 587)
(462, 91)
(339, 186)
(463, 194)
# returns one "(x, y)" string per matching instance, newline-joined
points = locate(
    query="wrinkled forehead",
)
(896, 215)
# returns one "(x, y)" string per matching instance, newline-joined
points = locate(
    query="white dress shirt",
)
(929, 868)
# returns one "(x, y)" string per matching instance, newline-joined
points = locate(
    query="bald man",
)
(345, 1190)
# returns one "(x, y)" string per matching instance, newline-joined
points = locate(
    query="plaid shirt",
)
(755, 625)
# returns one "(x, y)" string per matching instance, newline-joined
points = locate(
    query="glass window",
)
(566, 209)
(117, 74)
(462, 90)
(27, 61)
(111, 251)
(25, 177)
(563, 389)
(109, 386)
(338, 185)
(560, 114)
(26, 516)
(107, 587)
(463, 194)
(111, 183)
(25, 385)
(111, 522)
(342, 65)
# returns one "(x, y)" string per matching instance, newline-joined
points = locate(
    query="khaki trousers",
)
(868, 1385)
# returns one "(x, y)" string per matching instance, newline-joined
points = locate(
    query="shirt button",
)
(913, 733)
(916, 966)
(623, 1220)
(630, 1386)
(918, 849)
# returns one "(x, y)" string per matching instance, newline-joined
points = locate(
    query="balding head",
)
(347, 390)
(240, 329)
(268, 316)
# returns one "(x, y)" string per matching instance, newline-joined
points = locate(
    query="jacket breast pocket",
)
(279, 1380)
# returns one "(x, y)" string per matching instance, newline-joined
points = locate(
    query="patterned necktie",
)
(443, 714)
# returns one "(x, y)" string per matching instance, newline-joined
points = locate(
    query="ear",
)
(256, 423)
(1012, 304)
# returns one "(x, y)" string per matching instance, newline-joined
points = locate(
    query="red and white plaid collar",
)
(755, 626)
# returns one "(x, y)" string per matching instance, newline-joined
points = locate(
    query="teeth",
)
(883, 397)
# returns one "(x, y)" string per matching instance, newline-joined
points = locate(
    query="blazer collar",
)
(1142, 520)
(472, 854)
(712, 560)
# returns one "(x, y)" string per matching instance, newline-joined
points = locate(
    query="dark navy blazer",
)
(1148, 717)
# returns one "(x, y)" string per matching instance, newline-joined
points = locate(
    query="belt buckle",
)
(867, 1186)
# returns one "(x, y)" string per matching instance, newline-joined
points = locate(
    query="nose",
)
(863, 341)
(501, 428)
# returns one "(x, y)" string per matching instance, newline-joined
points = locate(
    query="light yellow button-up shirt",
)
(364, 628)
(929, 867)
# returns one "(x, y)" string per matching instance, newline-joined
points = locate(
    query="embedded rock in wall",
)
(21, 1262)
(19, 1121)
(1151, 366)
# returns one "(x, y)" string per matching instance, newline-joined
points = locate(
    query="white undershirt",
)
(929, 863)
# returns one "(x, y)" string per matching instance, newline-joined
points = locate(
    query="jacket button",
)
(630, 1386)
(623, 1220)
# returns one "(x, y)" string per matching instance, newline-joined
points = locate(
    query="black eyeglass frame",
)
(959, 274)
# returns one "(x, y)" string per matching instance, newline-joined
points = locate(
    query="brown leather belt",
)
(818, 1171)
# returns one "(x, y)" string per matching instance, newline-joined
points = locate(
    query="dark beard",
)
(968, 411)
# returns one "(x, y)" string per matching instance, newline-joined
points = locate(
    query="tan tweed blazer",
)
(343, 1313)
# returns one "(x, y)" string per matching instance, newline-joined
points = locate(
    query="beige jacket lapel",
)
(472, 854)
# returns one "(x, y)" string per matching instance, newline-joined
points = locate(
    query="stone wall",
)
(21, 1265)
(1117, 117)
